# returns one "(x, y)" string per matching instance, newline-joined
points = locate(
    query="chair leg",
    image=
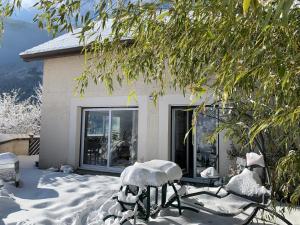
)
(278, 216)
(250, 218)
(255, 211)
(177, 198)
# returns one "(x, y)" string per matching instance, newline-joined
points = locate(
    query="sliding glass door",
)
(182, 146)
(109, 138)
(191, 149)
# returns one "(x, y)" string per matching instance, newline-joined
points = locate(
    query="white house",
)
(103, 132)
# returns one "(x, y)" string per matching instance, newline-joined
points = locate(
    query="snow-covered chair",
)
(250, 189)
(134, 197)
(10, 162)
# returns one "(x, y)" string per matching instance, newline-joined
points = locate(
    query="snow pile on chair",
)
(247, 183)
(253, 158)
(8, 170)
(124, 205)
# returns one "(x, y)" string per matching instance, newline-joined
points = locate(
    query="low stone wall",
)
(17, 146)
(15, 143)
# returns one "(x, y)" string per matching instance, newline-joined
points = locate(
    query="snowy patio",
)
(46, 197)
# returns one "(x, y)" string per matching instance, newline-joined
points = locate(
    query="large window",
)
(109, 137)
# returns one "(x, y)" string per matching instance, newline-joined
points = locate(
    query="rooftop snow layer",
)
(66, 43)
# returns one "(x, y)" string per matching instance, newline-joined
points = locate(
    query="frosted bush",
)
(20, 116)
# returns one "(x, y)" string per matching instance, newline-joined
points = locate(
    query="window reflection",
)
(206, 153)
(96, 137)
(122, 133)
(124, 137)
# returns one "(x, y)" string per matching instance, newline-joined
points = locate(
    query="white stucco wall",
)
(61, 115)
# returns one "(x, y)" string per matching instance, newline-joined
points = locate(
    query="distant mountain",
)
(25, 14)
(14, 73)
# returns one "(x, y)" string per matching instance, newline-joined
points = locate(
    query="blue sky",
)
(28, 3)
(27, 12)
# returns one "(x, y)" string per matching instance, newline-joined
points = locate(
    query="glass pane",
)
(124, 134)
(96, 137)
(206, 153)
(180, 130)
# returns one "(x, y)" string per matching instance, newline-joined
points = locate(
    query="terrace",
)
(46, 197)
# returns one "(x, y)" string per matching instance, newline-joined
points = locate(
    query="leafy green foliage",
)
(289, 177)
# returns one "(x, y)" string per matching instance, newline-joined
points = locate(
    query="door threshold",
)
(82, 171)
(199, 181)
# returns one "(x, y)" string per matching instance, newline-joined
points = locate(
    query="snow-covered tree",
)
(20, 116)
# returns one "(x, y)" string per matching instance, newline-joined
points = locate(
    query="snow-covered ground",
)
(46, 197)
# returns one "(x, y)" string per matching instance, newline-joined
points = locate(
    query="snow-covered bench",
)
(9, 162)
(134, 197)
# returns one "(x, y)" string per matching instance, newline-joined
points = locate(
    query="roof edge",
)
(27, 57)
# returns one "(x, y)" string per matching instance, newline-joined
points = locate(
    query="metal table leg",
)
(164, 195)
(148, 199)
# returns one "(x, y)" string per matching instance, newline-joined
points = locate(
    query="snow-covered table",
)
(134, 197)
(155, 174)
(8, 162)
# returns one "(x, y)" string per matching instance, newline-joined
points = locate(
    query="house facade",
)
(107, 133)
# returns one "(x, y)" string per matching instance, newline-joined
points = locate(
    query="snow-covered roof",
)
(65, 44)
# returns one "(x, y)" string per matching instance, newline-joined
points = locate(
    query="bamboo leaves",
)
(246, 6)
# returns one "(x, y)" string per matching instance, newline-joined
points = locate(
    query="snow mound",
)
(8, 158)
(172, 170)
(53, 169)
(246, 183)
(228, 204)
(129, 198)
(255, 159)
(210, 172)
(3, 191)
(142, 176)
(113, 213)
(5, 198)
(66, 169)
(151, 173)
